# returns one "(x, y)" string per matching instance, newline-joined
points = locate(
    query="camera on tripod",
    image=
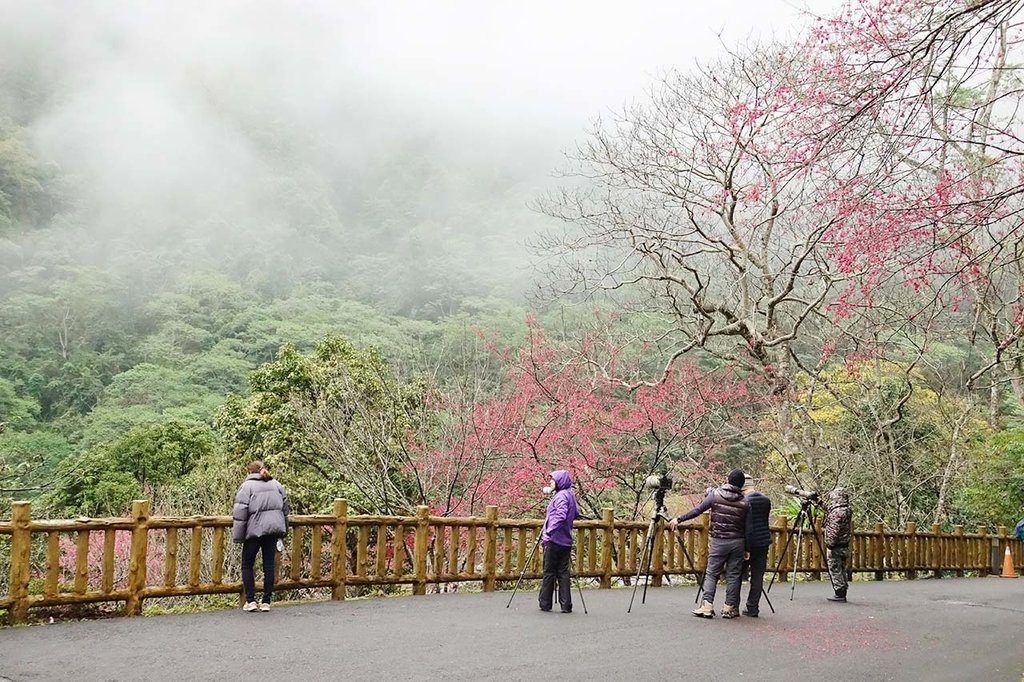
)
(658, 482)
(805, 495)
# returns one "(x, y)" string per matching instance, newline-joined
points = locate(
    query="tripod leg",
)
(529, 562)
(640, 566)
(769, 601)
(796, 554)
(580, 590)
(700, 574)
(824, 553)
(782, 557)
(650, 560)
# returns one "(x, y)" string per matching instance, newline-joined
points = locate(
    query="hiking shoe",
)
(730, 611)
(250, 606)
(264, 606)
(750, 613)
(837, 597)
(706, 610)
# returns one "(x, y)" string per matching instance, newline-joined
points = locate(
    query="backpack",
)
(1018, 530)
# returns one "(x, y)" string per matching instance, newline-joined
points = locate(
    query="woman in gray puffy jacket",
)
(260, 519)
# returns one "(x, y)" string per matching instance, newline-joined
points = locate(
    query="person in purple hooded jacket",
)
(557, 539)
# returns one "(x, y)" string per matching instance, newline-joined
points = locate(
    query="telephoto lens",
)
(658, 482)
(805, 494)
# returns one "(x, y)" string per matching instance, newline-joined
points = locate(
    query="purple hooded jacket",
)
(562, 511)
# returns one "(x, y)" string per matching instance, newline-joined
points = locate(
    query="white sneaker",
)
(264, 606)
(250, 606)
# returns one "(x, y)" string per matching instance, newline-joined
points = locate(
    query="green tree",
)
(149, 460)
(27, 199)
(994, 491)
(334, 422)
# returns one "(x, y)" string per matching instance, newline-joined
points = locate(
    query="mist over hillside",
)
(187, 187)
(389, 150)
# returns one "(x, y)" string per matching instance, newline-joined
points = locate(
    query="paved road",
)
(968, 629)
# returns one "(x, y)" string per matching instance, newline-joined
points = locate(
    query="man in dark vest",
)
(728, 533)
(759, 538)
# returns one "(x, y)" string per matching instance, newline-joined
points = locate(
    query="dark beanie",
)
(737, 478)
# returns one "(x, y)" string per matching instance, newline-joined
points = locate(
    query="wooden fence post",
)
(996, 554)
(420, 549)
(339, 550)
(879, 553)
(958, 550)
(21, 543)
(137, 561)
(491, 547)
(910, 556)
(608, 519)
(705, 541)
(784, 561)
(658, 549)
(980, 549)
(817, 560)
(851, 560)
(936, 554)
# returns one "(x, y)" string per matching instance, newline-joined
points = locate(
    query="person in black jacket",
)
(759, 538)
(728, 532)
(837, 540)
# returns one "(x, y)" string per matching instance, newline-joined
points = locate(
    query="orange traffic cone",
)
(1008, 571)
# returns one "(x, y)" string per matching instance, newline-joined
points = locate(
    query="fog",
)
(284, 131)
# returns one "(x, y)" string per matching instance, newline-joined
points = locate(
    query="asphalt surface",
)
(965, 629)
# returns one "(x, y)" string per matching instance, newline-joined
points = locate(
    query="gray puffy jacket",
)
(261, 508)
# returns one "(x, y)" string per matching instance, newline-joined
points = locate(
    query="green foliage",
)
(145, 394)
(901, 450)
(146, 460)
(27, 199)
(16, 413)
(28, 461)
(325, 418)
(64, 337)
(994, 493)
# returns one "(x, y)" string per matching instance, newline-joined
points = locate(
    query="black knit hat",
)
(737, 478)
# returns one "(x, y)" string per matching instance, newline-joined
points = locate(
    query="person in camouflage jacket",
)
(837, 540)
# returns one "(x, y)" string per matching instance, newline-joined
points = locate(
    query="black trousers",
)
(556, 567)
(267, 546)
(758, 564)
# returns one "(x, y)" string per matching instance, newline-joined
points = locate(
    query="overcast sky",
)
(566, 59)
(155, 103)
(561, 61)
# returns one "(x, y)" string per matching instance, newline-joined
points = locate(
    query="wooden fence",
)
(54, 563)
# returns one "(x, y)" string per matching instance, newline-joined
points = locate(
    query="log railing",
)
(54, 563)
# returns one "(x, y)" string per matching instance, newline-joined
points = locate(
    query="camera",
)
(807, 495)
(658, 482)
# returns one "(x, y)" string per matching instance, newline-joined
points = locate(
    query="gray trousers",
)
(727, 554)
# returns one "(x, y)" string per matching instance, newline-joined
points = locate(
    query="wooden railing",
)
(53, 563)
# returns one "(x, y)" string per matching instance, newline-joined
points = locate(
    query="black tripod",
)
(529, 563)
(804, 518)
(648, 553)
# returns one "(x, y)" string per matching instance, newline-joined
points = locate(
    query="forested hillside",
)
(215, 248)
(161, 240)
